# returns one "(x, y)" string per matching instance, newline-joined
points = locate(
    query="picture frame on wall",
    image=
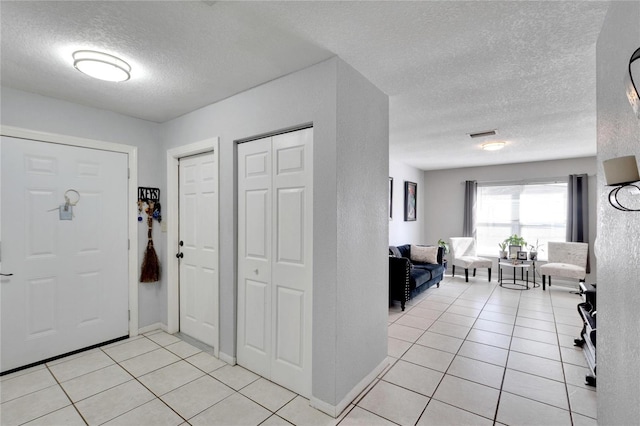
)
(410, 201)
(390, 198)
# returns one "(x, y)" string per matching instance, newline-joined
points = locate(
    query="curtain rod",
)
(556, 179)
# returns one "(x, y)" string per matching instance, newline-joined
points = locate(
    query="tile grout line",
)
(454, 355)
(159, 397)
(506, 363)
(67, 395)
(142, 384)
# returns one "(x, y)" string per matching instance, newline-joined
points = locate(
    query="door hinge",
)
(128, 173)
(129, 314)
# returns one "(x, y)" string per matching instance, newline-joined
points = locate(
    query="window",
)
(535, 211)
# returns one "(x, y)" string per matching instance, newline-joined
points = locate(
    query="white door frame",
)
(173, 155)
(132, 207)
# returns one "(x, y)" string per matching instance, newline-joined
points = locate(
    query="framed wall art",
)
(390, 198)
(410, 201)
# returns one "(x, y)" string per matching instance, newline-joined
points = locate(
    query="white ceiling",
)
(450, 68)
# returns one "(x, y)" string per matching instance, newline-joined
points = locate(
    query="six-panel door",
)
(69, 288)
(275, 218)
(199, 235)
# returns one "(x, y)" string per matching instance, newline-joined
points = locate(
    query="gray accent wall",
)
(363, 267)
(618, 352)
(401, 232)
(350, 121)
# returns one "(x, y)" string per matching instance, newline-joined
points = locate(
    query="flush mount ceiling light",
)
(493, 146)
(101, 65)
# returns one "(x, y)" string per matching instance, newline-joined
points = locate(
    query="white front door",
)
(69, 288)
(198, 235)
(275, 214)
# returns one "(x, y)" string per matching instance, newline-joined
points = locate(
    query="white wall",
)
(401, 232)
(618, 353)
(362, 293)
(40, 113)
(343, 125)
(443, 218)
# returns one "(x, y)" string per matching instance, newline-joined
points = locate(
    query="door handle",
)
(180, 255)
(6, 275)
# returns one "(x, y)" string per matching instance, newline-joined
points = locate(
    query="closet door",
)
(275, 202)
(254, 256)
(292, 257)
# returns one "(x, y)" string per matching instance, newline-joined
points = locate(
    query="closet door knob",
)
(180, 255)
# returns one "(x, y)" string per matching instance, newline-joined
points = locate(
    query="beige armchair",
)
(566, 260)
(463, 254)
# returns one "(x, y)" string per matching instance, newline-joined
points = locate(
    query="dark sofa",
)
(407, 278)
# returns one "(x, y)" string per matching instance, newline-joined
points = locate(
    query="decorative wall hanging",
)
(410, 201)
(632, 82)
(149, 203)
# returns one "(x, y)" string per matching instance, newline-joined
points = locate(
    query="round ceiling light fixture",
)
(493, 146)
(101, 65)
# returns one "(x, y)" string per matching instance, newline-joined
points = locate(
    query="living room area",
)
(476, 352)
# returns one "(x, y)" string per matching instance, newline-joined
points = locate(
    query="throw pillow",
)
(424, 254)
(394, 251)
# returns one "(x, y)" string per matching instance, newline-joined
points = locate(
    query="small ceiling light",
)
(101, 65)
(493, 146)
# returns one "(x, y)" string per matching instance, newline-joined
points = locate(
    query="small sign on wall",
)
(148, 194)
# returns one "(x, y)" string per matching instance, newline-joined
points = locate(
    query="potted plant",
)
(515, 240)
(445, 249)
(503, 250)
(533, 250)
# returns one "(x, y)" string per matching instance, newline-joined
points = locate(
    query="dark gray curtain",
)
(470, 195)
(578, 211)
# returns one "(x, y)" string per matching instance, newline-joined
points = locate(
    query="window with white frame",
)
(535, 211)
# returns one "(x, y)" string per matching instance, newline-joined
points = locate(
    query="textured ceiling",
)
(450, 68)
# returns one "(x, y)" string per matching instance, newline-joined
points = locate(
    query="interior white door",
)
(275, 226)
(69, 288)
(254, 256)
(292, 272)
(198, 229)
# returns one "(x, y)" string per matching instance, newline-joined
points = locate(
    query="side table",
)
(524, 268)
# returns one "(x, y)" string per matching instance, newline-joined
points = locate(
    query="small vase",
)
(502, 254)
(533, 255)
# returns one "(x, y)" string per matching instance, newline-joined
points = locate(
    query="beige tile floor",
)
(473, 354)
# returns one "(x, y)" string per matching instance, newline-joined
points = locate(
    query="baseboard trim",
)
(152, 327)
(335, 410)
(231, 360)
